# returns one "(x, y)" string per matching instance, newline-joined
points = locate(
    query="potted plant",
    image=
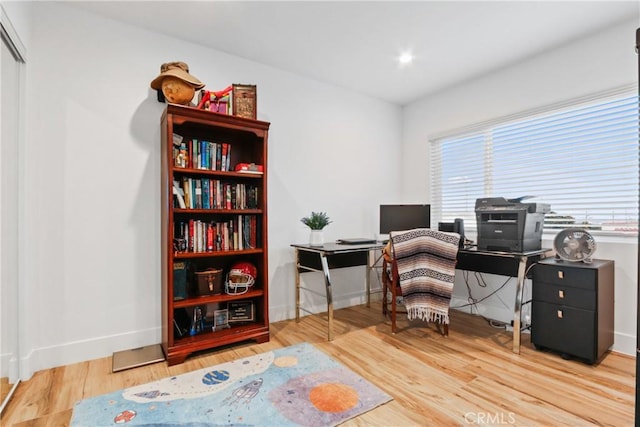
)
(317, 221)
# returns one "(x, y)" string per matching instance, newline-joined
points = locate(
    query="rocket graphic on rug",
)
(245, 393)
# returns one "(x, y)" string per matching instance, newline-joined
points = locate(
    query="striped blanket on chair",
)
(426, 261)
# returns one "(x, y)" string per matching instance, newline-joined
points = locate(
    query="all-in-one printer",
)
(509, 224)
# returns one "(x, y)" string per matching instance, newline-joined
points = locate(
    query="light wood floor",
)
(5, 388)
(470, 377)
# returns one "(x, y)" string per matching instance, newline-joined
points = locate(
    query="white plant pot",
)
(316, 238)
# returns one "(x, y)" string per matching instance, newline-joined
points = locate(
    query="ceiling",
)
(355, 44)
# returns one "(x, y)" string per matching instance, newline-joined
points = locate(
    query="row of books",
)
(200, 154)
(237, 234)
(206, 193)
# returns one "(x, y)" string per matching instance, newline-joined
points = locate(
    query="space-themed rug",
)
(297, 385)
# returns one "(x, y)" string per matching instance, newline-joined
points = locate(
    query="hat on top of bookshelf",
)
(179, 70)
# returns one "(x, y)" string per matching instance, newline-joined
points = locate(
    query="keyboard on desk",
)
(355, 241)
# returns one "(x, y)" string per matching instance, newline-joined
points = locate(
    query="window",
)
(582, 160)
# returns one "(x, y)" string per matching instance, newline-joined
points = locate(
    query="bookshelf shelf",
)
(190, 302)
(243, 175)
(218, 211)
(188, 255)
(212, 218)
(225, 336)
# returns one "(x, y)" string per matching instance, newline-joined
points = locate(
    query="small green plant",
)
(316, 221)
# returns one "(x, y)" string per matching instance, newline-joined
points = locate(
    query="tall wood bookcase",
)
(222, 222)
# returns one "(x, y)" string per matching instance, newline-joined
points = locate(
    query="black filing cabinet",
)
(572, 307)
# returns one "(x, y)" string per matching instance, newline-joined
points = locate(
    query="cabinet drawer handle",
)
(559, 314)
(560, 275)
(560, 294)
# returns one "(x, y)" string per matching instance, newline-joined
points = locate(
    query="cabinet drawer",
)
(568, 275)
(564, 329)
(564, 295)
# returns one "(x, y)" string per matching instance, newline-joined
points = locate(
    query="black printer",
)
(510, 225)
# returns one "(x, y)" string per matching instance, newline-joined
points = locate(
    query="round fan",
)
(574, 244)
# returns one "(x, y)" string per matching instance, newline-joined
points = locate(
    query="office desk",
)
(504, 264)
(333, 255)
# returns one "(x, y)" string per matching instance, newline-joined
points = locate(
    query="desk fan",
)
(574, 244)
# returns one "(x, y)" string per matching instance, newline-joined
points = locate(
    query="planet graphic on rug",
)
(285, 361)
(215, 377)
(320, 398)
(333, 397)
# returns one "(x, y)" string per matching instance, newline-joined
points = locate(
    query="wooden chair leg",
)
(385, 287)
(394, 304)
(443, 328)
(390, 283)
(395, 285)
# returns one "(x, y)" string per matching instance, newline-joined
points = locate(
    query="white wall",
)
(603, 61)
(92, 177)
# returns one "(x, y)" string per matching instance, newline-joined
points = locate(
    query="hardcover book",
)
(179, 281)
(244, 101)
(223, 158)
(205, 194)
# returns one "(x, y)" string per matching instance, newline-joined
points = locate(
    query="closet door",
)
(638, 305)
(10, 71)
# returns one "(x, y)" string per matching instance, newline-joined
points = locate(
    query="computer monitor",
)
(404, 217)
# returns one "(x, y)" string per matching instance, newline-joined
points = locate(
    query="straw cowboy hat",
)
(179, 70)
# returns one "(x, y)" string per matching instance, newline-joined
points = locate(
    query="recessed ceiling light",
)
(405, 58)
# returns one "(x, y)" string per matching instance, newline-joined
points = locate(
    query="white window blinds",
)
(582, 160)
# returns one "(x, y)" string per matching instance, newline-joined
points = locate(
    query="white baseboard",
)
(89, 349)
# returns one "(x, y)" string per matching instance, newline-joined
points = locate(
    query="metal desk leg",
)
(368, 278)
(327, 282)
(522, 267)
(297, 268)
(372, 263)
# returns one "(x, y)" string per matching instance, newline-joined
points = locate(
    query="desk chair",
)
(419, 265)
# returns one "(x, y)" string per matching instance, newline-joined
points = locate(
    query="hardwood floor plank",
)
(5, 388)
(470, 377)
(503, 402)
(551, 384)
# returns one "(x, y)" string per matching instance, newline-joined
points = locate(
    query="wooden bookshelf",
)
(223, 222)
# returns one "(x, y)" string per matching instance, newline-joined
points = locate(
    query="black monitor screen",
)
(404, 217)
